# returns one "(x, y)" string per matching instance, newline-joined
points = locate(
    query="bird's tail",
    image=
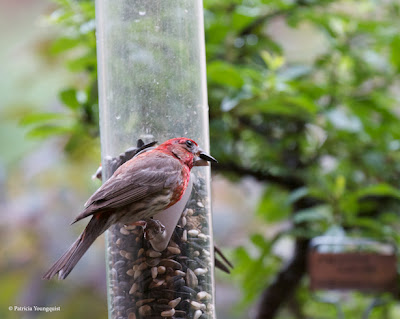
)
(70, 258)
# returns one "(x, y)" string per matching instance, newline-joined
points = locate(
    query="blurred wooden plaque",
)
(363, 271)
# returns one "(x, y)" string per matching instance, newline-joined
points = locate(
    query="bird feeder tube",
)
(152, 86)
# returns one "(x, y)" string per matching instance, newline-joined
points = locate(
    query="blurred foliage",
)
(325, 129)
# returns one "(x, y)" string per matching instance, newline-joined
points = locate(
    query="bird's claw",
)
(151, 227)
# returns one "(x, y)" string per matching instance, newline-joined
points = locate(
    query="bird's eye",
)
(189, 143)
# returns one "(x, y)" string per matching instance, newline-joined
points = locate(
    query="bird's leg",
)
(151, 227)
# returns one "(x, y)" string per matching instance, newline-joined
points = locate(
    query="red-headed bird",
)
(139, 189)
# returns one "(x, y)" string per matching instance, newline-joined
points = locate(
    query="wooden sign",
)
(363, 271)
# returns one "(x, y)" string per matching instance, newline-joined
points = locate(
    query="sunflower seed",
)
(175, 302)
(183, 221)
(203, 295)
(168, 313)
(184, 236)
(191, 278)
(153, 253)
(144, 301)
(134, 288)
(174, 250)
(145, 310)
(200, 271)
(137, 273)
(130, 227)
(124, 231)
(161, 270)
(171, 263)
(197, 305)
(180, 273)
(193, 232)
(197, 314)
(203, 237)
(159, 307)
(188, 290)
(142, 266)
(153, 262)
(132, 315)
(140, 252)
(129, 256)
(154, 272)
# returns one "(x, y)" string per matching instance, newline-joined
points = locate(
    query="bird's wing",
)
(136, 179)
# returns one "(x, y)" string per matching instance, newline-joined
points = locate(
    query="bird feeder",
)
(338, 264)
(152, 86)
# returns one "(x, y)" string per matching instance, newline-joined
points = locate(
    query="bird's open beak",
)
(203, 158)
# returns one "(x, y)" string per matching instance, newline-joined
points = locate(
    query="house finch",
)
(114, 162)
(139, 189)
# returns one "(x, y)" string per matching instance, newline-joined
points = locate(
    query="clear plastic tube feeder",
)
(152, 86)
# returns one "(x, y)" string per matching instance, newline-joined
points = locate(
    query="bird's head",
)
(187, 151)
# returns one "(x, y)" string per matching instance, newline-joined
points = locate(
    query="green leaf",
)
(297, 194)
(302, 103)
(273, 62)
(45, 131)
(274, 205)
(380, 190)
(64, 44)
(241, 20)
(69, 98)
(241, 254)
(83, 63)
(259, 241)
(394, 54)
(225, 74)
(368, 223)
(317, 213)
(36, 118)
(340, 186)
(279, 105)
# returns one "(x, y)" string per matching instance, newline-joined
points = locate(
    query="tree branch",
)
(260, 20)
(288, 182)
(284, 284)
(288, 279)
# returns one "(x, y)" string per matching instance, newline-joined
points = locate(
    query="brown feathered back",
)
(142, 176)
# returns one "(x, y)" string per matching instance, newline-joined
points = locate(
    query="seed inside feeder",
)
(173, 283)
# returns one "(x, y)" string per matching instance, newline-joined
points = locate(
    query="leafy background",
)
(304, 113)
